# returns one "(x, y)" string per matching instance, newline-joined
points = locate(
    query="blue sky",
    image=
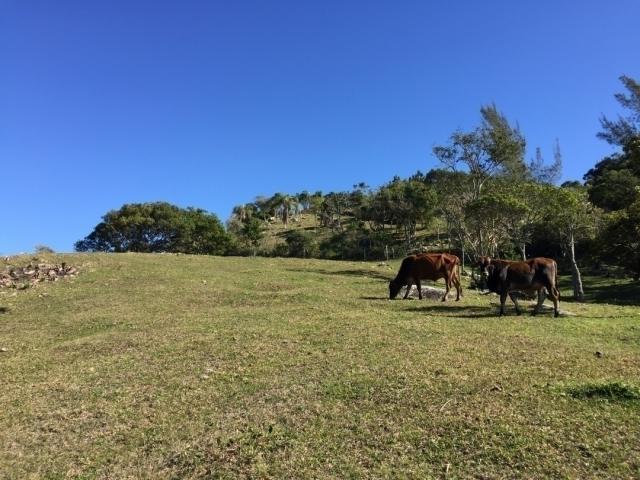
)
(210, 103)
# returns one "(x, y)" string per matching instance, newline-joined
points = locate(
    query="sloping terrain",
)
(175, 366)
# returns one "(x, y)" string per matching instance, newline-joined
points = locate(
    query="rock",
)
(4, 349)
(599, 354)
(21, 278)
(430, 293)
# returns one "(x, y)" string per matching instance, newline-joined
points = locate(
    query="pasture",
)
(164, 366)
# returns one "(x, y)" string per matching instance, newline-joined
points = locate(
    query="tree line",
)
(485, 198)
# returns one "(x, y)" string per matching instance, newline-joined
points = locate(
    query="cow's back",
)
(424, 266)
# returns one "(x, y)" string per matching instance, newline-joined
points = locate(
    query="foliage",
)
(486, 198)
(300, 244)
(625, 131)
(549, 174)
(494, 148)
(613, 180)
(40, 249)
(620, 239)
(157, 227)
(252, 232)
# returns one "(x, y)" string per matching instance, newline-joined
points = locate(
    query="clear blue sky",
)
(210, 103)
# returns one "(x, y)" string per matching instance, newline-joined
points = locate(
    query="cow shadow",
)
(456, 311)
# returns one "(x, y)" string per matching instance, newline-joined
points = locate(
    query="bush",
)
(300, 244)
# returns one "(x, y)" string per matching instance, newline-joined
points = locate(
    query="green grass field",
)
(171, 367)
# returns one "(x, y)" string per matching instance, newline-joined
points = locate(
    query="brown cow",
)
(536, 274)
(426, 266)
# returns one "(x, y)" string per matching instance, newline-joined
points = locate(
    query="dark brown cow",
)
(536, 274)
(426, 266)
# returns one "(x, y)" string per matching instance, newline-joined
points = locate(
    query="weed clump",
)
(607, 391)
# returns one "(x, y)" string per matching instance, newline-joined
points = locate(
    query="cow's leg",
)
(541, 297)
(447, 288)
(555, 296)
(409, 285)
(456, 282)
(503, 299)
(419, 289)
(514, 299)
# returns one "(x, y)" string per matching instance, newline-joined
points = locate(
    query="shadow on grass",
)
(3, 310)
(603, 290)
(457, 311)
(460, 311)
(346, 273)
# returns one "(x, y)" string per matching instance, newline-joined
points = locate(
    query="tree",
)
(157, 227)
(613, 180)
(494, 149)
(541, 173)
(410, 203)
(625, 131)
(504, 144)
(573, 219)
(453, 193)
(300, 244)
(620, 238)
(252, 232)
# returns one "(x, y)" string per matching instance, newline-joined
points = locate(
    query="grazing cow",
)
(427, 266)
(535, 274)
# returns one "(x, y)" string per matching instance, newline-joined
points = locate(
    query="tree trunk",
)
(523, 250)
(578, 292)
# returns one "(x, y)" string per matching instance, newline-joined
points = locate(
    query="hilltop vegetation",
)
(486, 199)
(165, 366)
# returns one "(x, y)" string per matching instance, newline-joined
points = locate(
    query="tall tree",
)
(494, 149)
(613, 180)
(574, 219)
(625, 131)
(252, 232)
(541, 173)
(505, 145)
(620, 238)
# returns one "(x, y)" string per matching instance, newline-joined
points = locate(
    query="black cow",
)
(535, 274)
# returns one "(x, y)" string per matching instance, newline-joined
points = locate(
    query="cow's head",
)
(493, 278)
(483, 263)
(394, 288)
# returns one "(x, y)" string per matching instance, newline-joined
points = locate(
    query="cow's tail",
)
(459, 274)
(555, 282)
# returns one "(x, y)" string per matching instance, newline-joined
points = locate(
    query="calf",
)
(426, 266)
(535, 274)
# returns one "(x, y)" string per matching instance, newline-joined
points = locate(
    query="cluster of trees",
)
(485, 199)
(614, 183)
(157, 227)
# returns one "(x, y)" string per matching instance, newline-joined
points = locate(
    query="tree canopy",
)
(157, 227)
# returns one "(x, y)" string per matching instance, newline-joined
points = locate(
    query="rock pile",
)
(24, 277)
(430, 293)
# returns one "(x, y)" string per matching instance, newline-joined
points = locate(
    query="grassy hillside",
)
(275, 233)
(163, 366)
